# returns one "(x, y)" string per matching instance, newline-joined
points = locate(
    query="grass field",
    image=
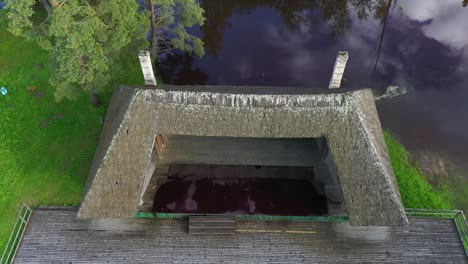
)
(415, 190)
(45, 147)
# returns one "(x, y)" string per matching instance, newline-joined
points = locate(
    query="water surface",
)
(424, 48)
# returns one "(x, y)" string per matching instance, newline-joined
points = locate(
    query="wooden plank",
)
(212, 231)
(212, 219)
(160, 144)
(212, 225)
(57, 237)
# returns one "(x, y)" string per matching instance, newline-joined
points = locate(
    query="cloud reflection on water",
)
(425, 49)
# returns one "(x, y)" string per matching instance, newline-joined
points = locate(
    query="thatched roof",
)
(347, 119)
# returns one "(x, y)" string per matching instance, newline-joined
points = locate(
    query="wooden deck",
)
(57, 237)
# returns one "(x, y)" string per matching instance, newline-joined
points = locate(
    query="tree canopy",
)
(83, 37)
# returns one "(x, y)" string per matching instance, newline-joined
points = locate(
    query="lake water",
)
(294, 43)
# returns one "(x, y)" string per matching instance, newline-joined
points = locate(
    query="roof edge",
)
(253, 90)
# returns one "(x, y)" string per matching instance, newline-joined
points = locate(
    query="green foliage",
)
(415, 190)
(44, 160)
(84, 39)
(20, 16)
(173, 18)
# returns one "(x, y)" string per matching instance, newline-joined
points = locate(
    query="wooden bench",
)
(212, 225)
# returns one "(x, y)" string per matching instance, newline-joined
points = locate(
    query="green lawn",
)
(45, 147)
(415, 190)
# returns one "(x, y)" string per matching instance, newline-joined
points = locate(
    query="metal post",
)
(338, 69)
(147, 68)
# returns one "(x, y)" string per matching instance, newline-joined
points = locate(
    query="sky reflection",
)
(425, 49)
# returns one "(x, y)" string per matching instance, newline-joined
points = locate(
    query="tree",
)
(169, 22)
(84, 38)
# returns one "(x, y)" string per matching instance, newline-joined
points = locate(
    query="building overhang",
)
(348, 120)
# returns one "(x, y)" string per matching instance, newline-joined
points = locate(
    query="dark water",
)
(240, 196)
(294, 43)
(239, 189)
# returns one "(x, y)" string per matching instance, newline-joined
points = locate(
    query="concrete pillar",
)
(338, 69)
(147, 68)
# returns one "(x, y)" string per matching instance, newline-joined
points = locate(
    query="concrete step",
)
(212, 225)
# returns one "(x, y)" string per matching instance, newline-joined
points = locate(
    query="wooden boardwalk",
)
(57, 237)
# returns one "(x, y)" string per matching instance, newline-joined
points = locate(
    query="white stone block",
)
(147, 68)
(338, 69)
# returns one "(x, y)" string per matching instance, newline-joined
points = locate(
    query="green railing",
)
(336, 219)
(456, 215)
(16, 236)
